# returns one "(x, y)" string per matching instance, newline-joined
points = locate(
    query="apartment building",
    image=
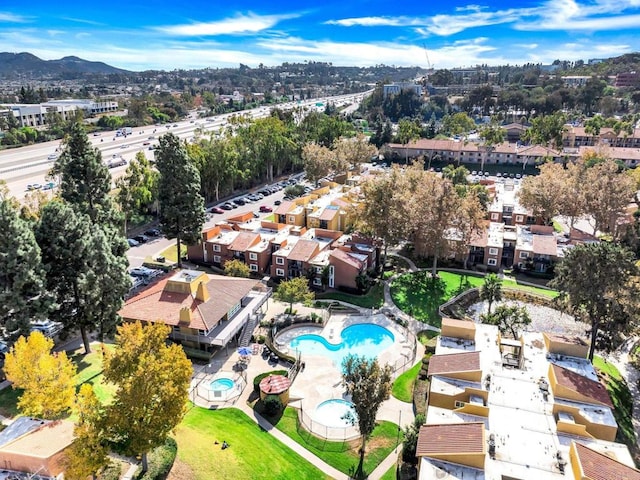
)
(531, 407)
(576, 137)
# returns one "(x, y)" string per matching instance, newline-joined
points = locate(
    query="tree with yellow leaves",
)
(152, 381)
(46, 378)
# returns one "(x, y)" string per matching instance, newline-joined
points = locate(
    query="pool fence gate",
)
(336, 439)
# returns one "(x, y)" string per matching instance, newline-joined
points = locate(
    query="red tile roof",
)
(243, 241)
(454, 362)
(285, 207)
(344, 257)
(328, 213)
(155, 304)
(303, 250)
(598, 466)
(545, 245)
(583, 385)
(451, 438)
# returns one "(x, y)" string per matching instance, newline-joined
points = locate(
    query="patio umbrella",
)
(244, 351)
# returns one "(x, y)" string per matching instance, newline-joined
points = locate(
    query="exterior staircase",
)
(250, 326)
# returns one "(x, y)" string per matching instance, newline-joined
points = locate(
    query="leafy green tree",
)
(491, 290)
(369, 385)
(152, 380)
(88, 453)
(509, 319)
(181, 205)
(138, 187)
(492, 135)
(317, 161)
(46, 379)
(23, 296)
(219, 164)
(293, 291)
(457, 175)
(457, 124)
(85, 179)
(598, 280)
(352, 152)
(410, 443)
(87, 279)
(236, 268)
(547, 130)
(269, 141)
(408, 131)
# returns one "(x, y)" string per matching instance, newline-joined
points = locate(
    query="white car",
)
(53, 156)
(47, 327)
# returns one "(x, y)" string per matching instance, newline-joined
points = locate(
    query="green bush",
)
(111, 472)
(161, 460)
(258, 378)
(272, 405)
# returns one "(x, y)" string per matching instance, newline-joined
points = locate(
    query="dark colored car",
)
(277, 202)
(226, 206)
(141, 238)
(152, 232)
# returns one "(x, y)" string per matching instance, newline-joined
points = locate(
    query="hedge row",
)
(160, 461)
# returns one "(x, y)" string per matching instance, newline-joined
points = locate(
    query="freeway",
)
(31, 164)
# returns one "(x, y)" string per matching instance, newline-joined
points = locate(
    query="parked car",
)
(132, 242)
(53, 156)
(143, 272)
(46, 327)
(231, 204)
(266, 209)
(141, 238)
(136, 282)
(49, 186)
(34, 186)
(152, 232)
(240, 201)
(256, 215)
(216, 210)
(277, 202)
(226, 206)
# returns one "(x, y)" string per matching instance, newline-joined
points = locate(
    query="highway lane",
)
(30, 164)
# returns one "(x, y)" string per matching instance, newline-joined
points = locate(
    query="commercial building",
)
(29, 115)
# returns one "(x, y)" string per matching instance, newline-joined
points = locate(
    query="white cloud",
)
(374, 22)
(9, 17)
(240, 24)
(83, 20)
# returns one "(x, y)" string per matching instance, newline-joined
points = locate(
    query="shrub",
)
(111, 472)
(258, 378)
(260, 339)
(161, 460)
(272, 405)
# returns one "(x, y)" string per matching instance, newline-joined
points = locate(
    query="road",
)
(31, 164)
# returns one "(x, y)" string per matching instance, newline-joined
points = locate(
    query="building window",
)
(495, 216)
(279, 260)
(216, 259)
(253, 267)
(216, 248)
(492, 261)
(279, 272)
(519, 218)
(292, 219)
(253, 256)
(317, 281)
(524, 255)
(493, 251)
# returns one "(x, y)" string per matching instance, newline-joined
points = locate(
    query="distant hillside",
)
(20, 65)
(629, 62)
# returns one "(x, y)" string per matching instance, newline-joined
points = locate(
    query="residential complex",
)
(531, 407)
(304, 237)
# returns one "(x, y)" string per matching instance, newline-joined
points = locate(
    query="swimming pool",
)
(362, 339)
(221, 384)
(331, 413)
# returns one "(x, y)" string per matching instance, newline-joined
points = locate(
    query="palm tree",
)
(491, 290)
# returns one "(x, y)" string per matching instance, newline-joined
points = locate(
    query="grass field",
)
(252, 454)
(420, 296)
(171, 253)
(402, 388)
(389, 474)
(89, 371)
(621, 398)
(373, 299)
(379, 446)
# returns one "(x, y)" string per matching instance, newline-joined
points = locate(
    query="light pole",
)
(399, 429)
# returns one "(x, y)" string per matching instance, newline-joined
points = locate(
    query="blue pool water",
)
(363, 339)
(331, 413)
(221, 384)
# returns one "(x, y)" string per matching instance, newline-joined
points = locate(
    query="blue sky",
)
(164, 34)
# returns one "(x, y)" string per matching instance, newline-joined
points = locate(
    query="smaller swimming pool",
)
(331, 413)
(221, 384)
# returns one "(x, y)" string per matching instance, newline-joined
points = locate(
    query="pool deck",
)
(320, 380)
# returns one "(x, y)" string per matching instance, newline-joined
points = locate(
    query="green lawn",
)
(420, 296)
(373, 299)
(379, 446)
(389, 474)
(171, 253)
(621, 398)
(89, 371)
(252, 454)
(402, 388)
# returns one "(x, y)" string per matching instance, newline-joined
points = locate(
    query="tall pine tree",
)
(87, 279)
(181, 205)
(22, 277)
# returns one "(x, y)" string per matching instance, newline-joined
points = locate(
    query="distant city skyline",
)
(198, 34)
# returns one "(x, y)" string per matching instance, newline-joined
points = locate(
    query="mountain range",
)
(15, 65)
